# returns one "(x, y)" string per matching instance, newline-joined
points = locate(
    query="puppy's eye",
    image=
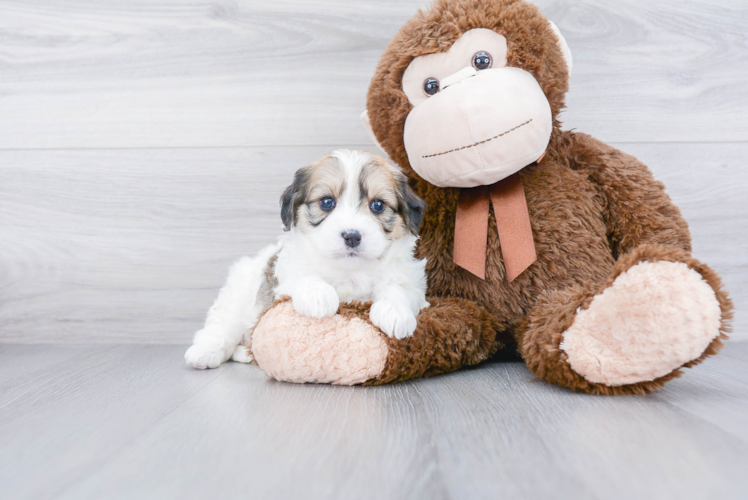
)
(377, 206)
(326, 203)
(430, 86)
(482, 60)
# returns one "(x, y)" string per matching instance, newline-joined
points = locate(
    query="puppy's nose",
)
(352, 238)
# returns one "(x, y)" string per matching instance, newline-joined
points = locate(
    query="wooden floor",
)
(133, 422)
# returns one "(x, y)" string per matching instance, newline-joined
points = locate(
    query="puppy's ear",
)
(293, 197)
(412, 208)
(286, 203)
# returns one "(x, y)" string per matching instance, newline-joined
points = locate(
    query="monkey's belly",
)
(566, 213)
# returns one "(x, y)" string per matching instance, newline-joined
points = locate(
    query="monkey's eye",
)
(430, 86)
(377, 206)
(326, 203)
(482, 60)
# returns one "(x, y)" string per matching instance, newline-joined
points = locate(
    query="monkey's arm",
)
(348, 349)
(450, 334)
(637, 209)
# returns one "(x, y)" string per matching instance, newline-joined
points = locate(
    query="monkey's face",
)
(474, 121)
(467, 93)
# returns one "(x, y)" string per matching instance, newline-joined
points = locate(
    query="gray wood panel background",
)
(144, 145)
(132, 422)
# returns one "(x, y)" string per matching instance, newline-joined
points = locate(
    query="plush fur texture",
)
(555, 312)
(531, 43)
(632, 331)
(595, 213)
(295, 348)
(589, 204)
(335, 350)
(441, 344)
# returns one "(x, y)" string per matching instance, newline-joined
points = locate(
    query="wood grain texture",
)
(122, 422)
(108, 74)
(132, 245)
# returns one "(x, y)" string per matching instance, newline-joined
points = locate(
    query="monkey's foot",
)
(653, 319)
(659, 311)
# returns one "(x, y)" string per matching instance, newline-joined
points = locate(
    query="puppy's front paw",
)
(201, 357)
(395, 321)
(316, 298)
(242, 355)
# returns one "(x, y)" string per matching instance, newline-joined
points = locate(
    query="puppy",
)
(351, 222)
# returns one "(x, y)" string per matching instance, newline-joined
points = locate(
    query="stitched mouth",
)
(480, 142)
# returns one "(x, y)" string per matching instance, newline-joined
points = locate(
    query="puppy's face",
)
(351, 204)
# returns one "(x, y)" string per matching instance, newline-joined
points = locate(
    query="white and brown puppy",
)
(351, 222)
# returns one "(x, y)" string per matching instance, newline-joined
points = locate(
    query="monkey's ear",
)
(367, 126)
(563, 46)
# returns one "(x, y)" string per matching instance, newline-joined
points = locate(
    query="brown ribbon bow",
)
(512, 221)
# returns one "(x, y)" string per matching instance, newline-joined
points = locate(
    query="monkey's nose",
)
(352, 238)
(457, 77)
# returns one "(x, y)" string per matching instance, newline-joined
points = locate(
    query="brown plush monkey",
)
(539, 241)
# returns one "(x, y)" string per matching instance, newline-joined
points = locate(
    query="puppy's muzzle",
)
(352, 238)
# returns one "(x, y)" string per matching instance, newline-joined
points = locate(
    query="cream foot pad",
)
(653, 319)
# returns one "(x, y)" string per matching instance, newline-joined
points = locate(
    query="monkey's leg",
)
(451, 333)
(659, 311)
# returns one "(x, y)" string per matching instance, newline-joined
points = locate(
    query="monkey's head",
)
(469, 91)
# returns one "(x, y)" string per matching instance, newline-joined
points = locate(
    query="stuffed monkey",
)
(541, 242)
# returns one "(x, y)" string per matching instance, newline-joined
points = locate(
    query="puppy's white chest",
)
(358, 286)
(346, 294)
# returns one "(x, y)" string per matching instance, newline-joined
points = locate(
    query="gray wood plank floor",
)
(92, 422)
